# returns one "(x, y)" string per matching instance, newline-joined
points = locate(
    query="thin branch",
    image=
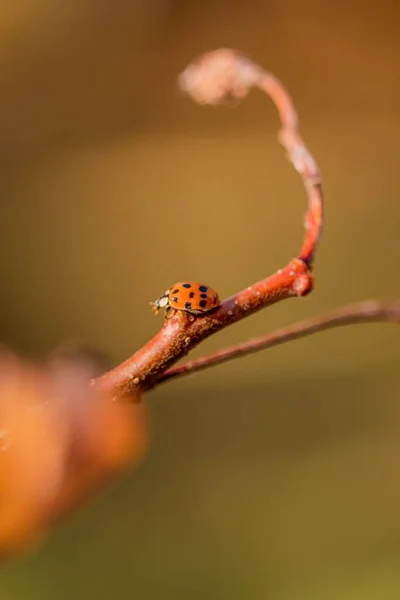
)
(225, 74)
(362, 312)
(212, 79)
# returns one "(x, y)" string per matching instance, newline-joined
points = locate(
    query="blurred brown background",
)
(273, 477)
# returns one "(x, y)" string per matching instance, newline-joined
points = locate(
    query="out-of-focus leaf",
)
(60, 440)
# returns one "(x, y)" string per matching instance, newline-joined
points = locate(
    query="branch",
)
(362, 312)
(212, 79)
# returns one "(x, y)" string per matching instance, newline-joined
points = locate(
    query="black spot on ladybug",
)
(186, 285)
(203, 288)
(175, 299)
(203, 295)
(188, 305)
(176, 291)
(191, 295)
(203, 303)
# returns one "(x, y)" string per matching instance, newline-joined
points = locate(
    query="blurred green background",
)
(275, 476)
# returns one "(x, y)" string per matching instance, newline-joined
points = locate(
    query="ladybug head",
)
(161, 302)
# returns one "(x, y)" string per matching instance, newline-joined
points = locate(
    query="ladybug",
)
(189, 296)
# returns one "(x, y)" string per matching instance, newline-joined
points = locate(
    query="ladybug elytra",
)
(189, 296)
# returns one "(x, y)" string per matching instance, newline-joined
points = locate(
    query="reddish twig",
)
(212, 79)
(362, 312)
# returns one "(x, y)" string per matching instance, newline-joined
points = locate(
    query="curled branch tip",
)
(222, 75)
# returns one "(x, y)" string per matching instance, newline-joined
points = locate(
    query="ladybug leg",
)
(170, 312)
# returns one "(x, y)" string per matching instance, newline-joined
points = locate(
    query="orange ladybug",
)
(189, 296)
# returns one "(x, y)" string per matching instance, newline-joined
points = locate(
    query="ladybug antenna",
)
(155, 308)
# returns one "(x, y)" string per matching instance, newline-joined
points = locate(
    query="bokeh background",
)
(276, 476)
